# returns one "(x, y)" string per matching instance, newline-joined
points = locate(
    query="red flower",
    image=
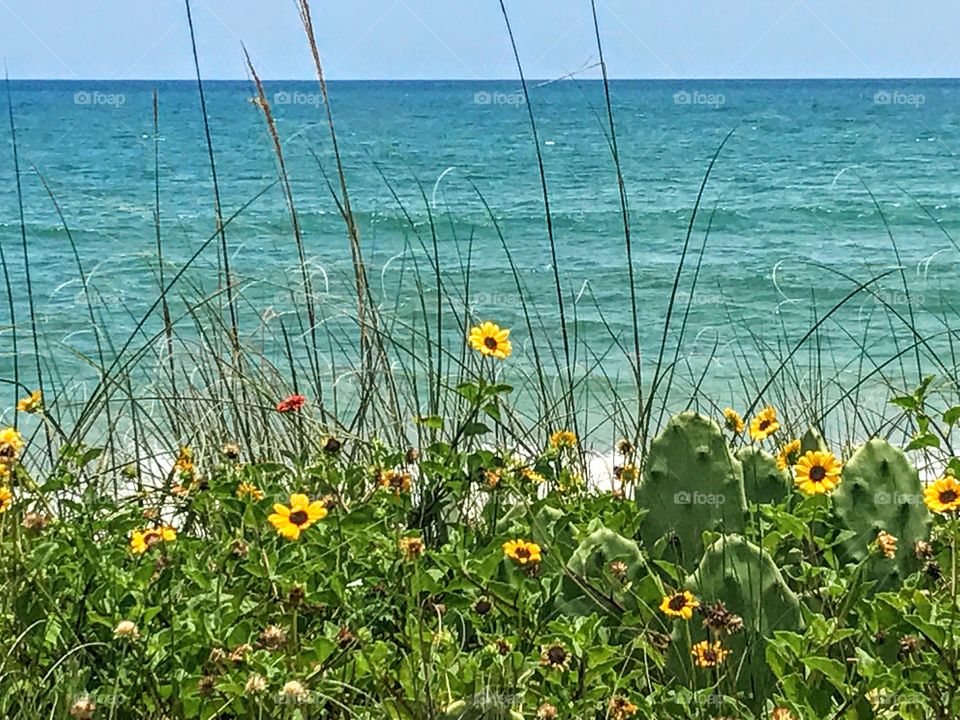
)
(291, 404)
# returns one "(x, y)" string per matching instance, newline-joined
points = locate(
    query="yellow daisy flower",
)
(521, 551)
(621, 708)
(246, 489)
(184, 463)
(491, 340)
(681, 605)
(943, 496)
(411, 547)
(788, 455)
(32, 403)
(531, 475)
(143, 540)
(563, 439)
(395, 480)
(817, 472)
(733, 421)
(301, 514)
(764, 424)
(11, 444)
(6, 499)
(555, 656)
(707, 654)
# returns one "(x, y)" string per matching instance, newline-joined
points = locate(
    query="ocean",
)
(791, 206)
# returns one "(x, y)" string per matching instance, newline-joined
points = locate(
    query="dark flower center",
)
(557, 655)
(817, 473)
(764, 424)
(298, 517)
(678, 602)
(948, 496)
(396, 481)
(522, 552)
(151, 537)
(6, 451)
(709, 656)
(490, 342)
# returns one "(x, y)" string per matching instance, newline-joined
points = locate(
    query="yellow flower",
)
(395, 480)
(621, 708)
(522, 551)
(707, 654)
(32, 403)
(411, 547)
(143, 540)
(11, 444)
(6, 498)
(290, 521)
(887, 544)
(491, 340)
(532, 475)
(943, 496)
(764, 424)
(733, 422)
(817, 472)
(789, 454)
(250, 490)
(563, 439)
(184, 463)
(681, 605)
(555, 656)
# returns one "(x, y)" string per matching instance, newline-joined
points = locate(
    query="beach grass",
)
(402, 515)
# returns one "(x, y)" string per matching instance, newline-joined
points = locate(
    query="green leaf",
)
(951, 416)
(833, 670)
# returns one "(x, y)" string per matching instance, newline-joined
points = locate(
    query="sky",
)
(467, 39)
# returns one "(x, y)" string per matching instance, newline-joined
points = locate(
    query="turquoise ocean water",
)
(792, 226)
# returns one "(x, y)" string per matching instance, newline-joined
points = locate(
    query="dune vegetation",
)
(408, 521)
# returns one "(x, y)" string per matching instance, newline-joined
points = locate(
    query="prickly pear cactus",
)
(881, 490)
(605, 566)
(763, 480)
(691, 483)
(745, 579)
(812, 440)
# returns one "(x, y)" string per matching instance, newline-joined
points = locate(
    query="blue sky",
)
(410, 39)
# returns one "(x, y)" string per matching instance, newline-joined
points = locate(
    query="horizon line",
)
(498, 80)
